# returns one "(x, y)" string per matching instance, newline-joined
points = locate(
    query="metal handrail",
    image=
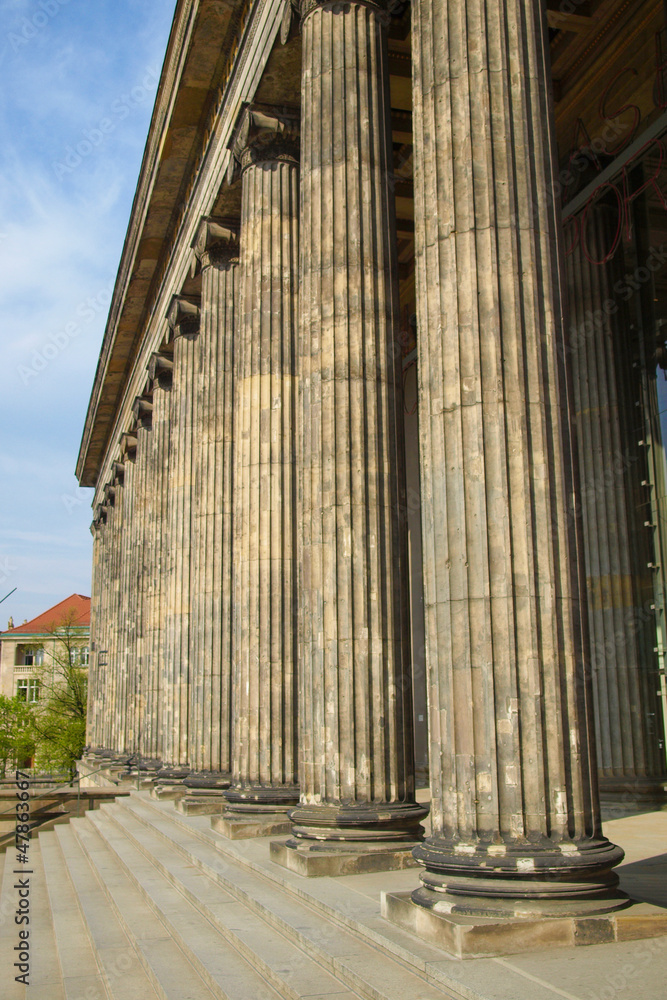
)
(69, 784)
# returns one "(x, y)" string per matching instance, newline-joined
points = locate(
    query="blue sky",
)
(77, 84)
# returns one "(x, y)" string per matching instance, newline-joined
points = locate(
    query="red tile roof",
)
(76, 605)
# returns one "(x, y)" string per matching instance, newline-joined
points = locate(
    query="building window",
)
(27, 689)
(29, 656)
(79, 657)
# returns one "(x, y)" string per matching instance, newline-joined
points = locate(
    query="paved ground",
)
(627, 971)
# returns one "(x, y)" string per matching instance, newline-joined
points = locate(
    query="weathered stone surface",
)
(153, 743)
(263, 605)
(184, 324)
(356, 770)
(512, 757)
(210, 721)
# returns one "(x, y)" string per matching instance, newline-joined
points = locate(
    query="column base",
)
(169, 782)
(367, 822)
(627, 796)
(518, 878)
(256, 811)
(350, 839)
(205, 793)
(316, 859)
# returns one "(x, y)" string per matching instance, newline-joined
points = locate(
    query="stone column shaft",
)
(356, 770)
(514, 797)
(139, 557)
(98, 623)
(263, 610)
(184, 322)
(616, 540)
(211, 586)
(123, 637)
(160, 372)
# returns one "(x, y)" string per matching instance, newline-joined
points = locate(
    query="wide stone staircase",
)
(136, 900)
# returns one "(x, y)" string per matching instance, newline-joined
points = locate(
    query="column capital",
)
(265, 133)
(183, 316)
(306, 7)
(99, 515)
(160, 370)
(216, 243)
(142, 412)
(109, 493)
(118, 473)
(128, 446)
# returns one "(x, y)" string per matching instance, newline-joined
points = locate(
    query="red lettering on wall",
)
(650, 182)
(584, 224)
(611, 116)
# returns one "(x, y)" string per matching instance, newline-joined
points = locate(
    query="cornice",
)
(258, 33)
(200, 54)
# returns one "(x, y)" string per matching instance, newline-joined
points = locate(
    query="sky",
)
(78, 80)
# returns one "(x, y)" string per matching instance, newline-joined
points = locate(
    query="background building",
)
(28, 648)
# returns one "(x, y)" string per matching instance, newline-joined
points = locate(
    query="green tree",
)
(17, 738)
(59, 715)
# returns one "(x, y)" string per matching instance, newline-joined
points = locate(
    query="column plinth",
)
(514, 802)
(264, 782)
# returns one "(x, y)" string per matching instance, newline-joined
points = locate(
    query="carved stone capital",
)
(183, 317)
(160, 370)
(266, 134)
(100, 516)
(216, 243)
(142, 411)
(306, 7)
(128, 446)
(118, 473)
(110, 495)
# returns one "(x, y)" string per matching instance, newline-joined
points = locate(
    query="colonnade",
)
(250, 568)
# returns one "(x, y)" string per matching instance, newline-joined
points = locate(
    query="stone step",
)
(169, 970)
(45, 977)
(79, 968)
(333, 898)
(150, 903)
(338, 946)
(121, 966)
(287, 967)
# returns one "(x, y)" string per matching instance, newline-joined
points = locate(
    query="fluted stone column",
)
(117, 518)
(514, 797)
(183, 318)
(138, 555)
(217, 250)
(160, 371)
(121, 650)
(98, 626)
(356, 753)
(617, 543)
(264, 780)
